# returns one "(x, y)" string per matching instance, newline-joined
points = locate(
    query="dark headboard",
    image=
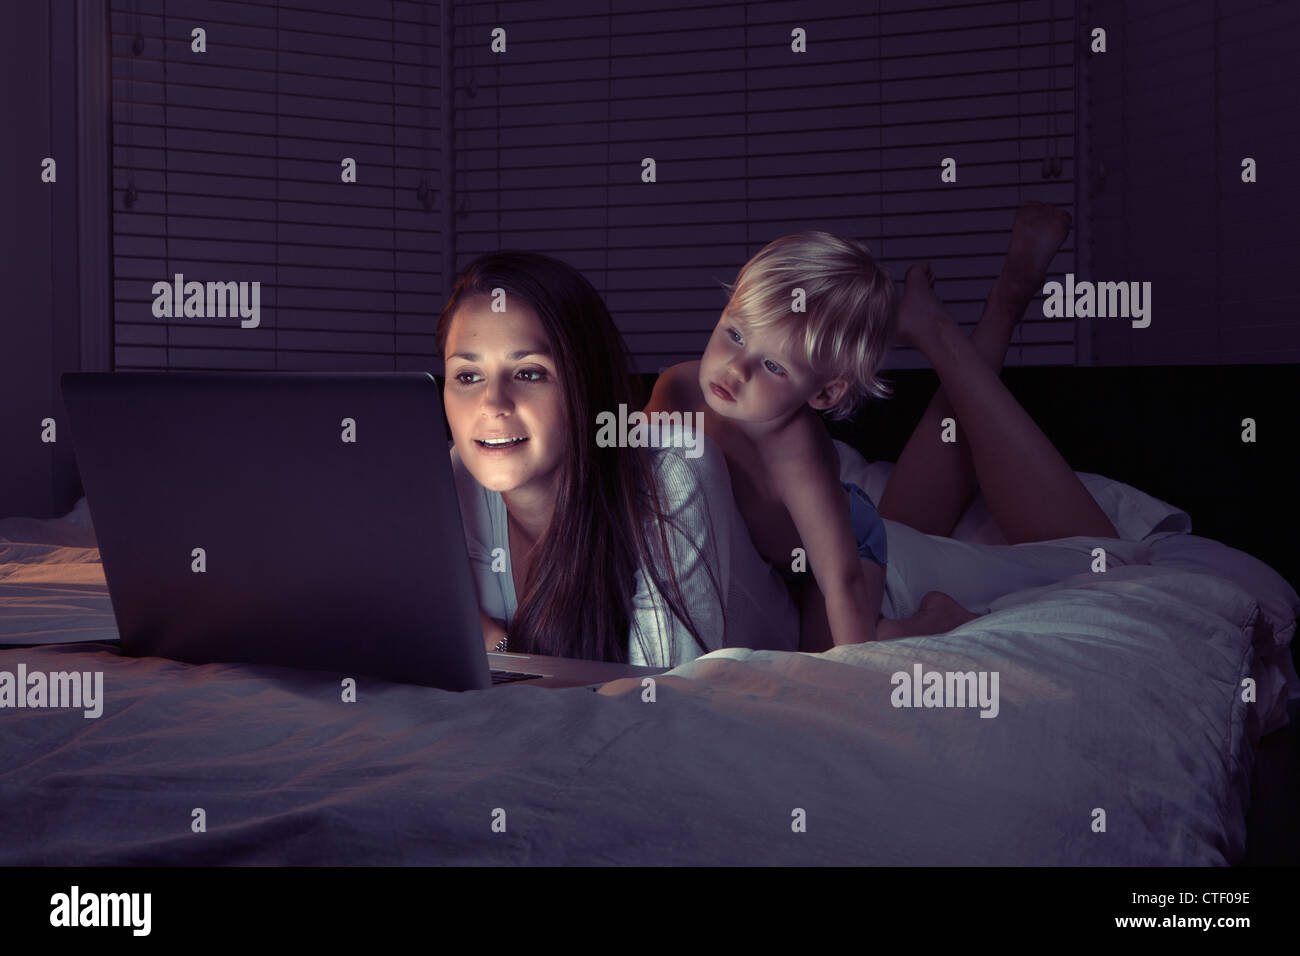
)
(1172, 431)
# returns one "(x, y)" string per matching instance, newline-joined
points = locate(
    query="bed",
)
(1121, 736)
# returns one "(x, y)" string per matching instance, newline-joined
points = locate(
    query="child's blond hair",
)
(849, 318)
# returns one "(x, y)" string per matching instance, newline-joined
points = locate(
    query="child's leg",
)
(934, 481)
(1031, 491)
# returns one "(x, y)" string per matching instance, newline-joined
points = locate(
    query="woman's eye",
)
(735, 336)
(531, 374)
(773, 367)
(465, 378)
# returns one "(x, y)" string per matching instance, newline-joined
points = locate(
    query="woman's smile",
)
(500, 445)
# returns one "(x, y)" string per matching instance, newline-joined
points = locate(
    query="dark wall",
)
(754, 141)
(39, 272)
(1184, 94)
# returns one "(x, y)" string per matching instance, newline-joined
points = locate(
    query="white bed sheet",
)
(1121, 739)
(52, 587)
(1119, 692)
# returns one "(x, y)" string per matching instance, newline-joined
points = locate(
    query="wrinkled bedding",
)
(1121, 737)
(1118, 694)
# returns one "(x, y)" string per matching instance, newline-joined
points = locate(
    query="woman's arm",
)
(493, 632)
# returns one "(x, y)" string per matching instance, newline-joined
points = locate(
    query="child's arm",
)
(806, 474)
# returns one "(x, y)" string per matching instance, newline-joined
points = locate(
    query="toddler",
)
(808, 324)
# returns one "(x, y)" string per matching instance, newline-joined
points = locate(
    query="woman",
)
(1031, 492)
(606, 553)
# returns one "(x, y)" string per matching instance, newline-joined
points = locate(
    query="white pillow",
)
(1140, 517)
(80, 513)
(1274, 670)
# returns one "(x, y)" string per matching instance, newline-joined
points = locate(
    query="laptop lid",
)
(302, 519)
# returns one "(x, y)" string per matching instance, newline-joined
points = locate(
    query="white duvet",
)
(1123, 736)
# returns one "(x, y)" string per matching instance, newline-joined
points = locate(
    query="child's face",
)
(751, 376)
(502, 385)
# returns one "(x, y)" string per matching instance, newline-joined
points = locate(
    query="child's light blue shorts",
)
(868, 526)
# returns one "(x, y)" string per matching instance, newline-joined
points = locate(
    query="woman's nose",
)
(496, 399)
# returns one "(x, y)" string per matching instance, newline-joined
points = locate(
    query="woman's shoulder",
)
(687, 463)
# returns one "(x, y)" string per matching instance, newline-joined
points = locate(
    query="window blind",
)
(1185, 94)
(226, 164)
(227, 167)
(752, 140)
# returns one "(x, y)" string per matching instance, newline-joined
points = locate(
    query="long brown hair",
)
(577, 600)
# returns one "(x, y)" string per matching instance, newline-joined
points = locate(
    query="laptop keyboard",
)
(509, 677)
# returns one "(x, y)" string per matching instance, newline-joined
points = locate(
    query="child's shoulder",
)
(805, 428)
(678, 387)
(803, 445)
(682, 370)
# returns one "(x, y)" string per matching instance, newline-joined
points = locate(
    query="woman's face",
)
(504, 402)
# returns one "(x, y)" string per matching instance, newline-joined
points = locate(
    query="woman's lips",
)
(499, 449)
(721, 392)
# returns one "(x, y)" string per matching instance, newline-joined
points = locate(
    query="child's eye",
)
(531, 374)
(773, 367)
(735, 336)
(464, 377)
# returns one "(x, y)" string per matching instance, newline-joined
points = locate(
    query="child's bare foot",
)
(1037, 234)
(920, 309)
(937, 614)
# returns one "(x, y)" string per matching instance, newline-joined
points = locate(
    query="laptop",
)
(300, 519)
